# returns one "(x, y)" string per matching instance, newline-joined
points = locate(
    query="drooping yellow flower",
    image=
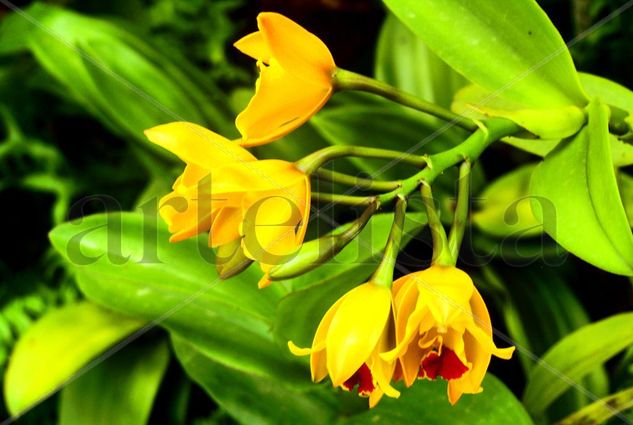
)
(226, 190)
(349, 340)
(443, 330)
(295, 78)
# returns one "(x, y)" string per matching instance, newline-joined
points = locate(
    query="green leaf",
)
(539, 309)
(56, 347)
(621, 153)
(116, 76)
(405, 62)
(505, 206)
(513, 49)
(572, 358)
(426, 403)
(123, 386)
(608, 91)
(125, 261)
(596, 87)
(576, 196)
(548, 123)
(625, 183)
(251, 399)
(602, 410)
(299, 312)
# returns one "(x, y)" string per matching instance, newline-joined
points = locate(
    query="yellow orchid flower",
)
(226, 190)
(295, 78)
(443, 330)
(349, 340)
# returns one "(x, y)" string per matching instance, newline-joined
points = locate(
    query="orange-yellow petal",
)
(197, 145)
(184, 217)
(190, 177)
(318, 359)
(447, 292)
(297, 50)
(257, 176)
(270, 225)
(302, 193)
(255, 46)
(382, 370)
(282, 102)
(225, 227)
(355, 330)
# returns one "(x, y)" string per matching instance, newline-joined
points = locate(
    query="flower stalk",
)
(460, 217)
(347, 80)
(312, 162)
(492, 130)
(442, 255)
(384, 273)
(315, 252)
(358, 182)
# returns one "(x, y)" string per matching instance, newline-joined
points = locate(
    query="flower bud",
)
(230, 259)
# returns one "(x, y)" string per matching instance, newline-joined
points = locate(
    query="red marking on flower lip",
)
(363, 378)
(447, 365)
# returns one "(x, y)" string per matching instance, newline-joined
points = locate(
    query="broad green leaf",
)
(596, 87)
(539, 309)
(299, 312)
(572, 358)
(537, 147)
(426, 403)
(602, 410)
(125, 261)
(56, 347)
(547, 123)
(608, 91)
(621, 153)
(505, 206)
(251, 399)
(121, 389)
(626, 191)
(576, 196)
(513, 50)
(116, 76)
(405, 62)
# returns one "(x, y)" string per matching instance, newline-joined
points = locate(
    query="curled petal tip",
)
(390, 356)
(298, 351)
(504, 353)
(264, 282)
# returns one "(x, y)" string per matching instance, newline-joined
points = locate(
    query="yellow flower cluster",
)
(430, 324)
(224, 189)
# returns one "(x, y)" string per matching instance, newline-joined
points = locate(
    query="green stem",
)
(343, 199)
(357, 225)
(461, 210)
(441, 252)
(359, 182)
(384, 273)
(469, 150)
(347, 80)
(310, 163)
